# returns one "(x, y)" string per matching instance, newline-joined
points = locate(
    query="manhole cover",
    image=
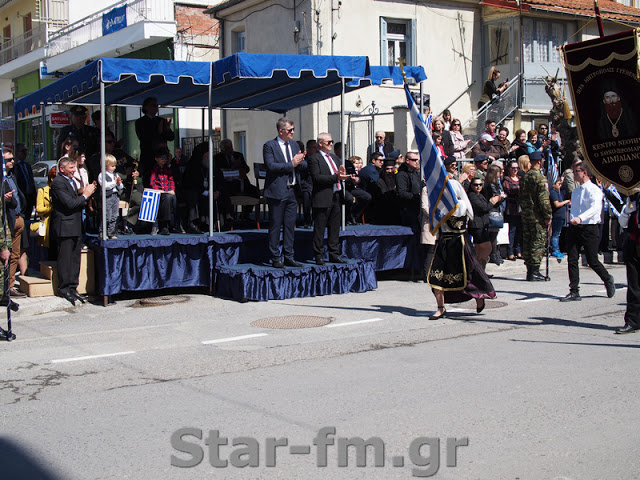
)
(292, 321)
(163, 300)
(488, 304)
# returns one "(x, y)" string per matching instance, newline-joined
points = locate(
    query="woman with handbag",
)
(492, 188)
(479, 225)
(44, 210)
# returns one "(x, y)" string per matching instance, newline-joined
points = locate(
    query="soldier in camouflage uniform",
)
(5, 241)
(536, 217)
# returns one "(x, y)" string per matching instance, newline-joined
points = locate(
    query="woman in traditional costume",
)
(455, 274)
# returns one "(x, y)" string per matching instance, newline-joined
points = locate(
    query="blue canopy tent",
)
(253, 81)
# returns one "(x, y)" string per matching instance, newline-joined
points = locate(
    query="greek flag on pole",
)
(150, 204)
(552, 169)
(442, 197)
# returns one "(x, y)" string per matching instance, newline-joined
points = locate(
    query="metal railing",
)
(90, 28)
(15, 47)
(497, 109)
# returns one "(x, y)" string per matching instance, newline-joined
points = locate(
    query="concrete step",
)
(47, 267)
(36, 286)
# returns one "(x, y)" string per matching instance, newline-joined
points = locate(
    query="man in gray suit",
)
(326, 172)
(281, 156)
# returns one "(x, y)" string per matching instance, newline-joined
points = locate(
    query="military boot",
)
(536, 276)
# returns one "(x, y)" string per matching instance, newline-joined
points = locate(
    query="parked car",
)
(40, 172)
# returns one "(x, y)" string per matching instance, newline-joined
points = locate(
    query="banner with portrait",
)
(604, 84)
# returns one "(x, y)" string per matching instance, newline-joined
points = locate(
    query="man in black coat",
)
(327, 172)
(151, 130)
(380, 145)
(24, 176)
(66, 223)
(409, 184)
(88, 137)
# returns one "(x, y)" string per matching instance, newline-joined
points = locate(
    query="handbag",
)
(39, 229)
(496, 220)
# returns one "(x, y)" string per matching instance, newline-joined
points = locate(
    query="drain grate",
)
(159, 301)
(292, 321)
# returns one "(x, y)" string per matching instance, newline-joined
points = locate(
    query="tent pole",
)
(342, 140)
(211, 188)
(43, 112)
(103, 152)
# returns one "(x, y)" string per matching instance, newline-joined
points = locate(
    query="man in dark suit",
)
(281, 156)
(67, 227)
(380, 145)
(88, 137)
(24, 176)
(151, 131)
(327, 172)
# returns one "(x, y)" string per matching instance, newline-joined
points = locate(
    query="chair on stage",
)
(260, 172)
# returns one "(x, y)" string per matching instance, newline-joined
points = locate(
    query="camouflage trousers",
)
(534, 242)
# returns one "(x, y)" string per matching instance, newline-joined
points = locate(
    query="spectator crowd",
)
(385, 187)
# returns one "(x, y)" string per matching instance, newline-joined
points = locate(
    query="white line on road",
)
(617, 289)
(233, 339)
(90, 357)
(333, 325)
(535, 299)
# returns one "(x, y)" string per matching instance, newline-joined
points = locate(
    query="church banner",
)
(604, 84)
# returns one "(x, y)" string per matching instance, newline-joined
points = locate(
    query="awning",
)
(281, 82)
(127, 83)
(383, 74)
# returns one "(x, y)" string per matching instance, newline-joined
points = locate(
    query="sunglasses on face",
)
(379, 137)
(477, 184)
(329, 142)
(289, 130)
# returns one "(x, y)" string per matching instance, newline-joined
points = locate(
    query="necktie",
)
(292, 178)
(334, 169)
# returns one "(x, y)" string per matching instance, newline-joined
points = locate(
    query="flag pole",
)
(598, 18)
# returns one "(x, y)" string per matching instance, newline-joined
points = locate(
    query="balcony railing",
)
(15, 47)
(90, 28)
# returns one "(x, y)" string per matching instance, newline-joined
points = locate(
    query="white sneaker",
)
(154, 230)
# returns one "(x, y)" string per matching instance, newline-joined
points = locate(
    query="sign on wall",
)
(114, 20)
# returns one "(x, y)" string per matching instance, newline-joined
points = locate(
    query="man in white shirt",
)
(586, 210)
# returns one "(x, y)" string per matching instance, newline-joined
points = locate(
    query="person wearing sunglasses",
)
(380, 145)
(281, 157)
(460, 143)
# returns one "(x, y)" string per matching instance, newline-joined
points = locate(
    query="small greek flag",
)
(552, 170)
(150, 204)
(429, 121)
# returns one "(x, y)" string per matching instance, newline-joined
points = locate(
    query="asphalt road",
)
(532, 388)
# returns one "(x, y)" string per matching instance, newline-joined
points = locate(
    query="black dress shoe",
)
(164, 231)
(336, 259)
(277, 264)
(68, 296)
(610, 285)
(319, 260)
(626, 329)
(194, 230)
(571, 297)
(290, 262)
(75, 293)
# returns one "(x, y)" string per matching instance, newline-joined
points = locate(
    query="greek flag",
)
(615, 194)
(150, 204)
(428, 121)
(442, 197)
(552, 170)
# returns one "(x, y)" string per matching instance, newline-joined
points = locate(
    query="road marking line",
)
(537, 299)
(90, 357)
(233, 339)
(604, 291)
(358, 322)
